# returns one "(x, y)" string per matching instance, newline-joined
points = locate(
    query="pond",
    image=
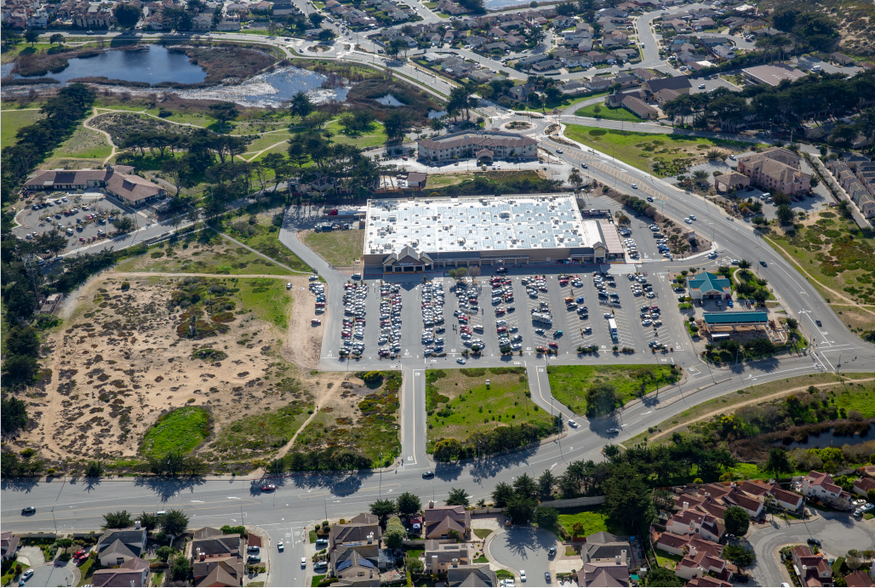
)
(272, 89)
(498, 4)
(437, 113)
(830, 439)
(154, 65)
(389, 100)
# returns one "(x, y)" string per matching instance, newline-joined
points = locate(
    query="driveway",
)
(524, 548)
(837, 531)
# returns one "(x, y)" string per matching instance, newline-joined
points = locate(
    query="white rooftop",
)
(477, 223)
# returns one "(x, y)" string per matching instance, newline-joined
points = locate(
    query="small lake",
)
(153, 66)
(830, 439)
(437, 113)
(389, 100)
(271, 89)
(497, 4)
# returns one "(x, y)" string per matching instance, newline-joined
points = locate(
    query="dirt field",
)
(119, 361)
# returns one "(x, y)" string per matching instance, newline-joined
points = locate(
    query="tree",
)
(627, 497)
(785, 214)
(447, 449)
(223, 112)
(174, 523)
(149, 521)
(414, 565)
(458, 496)
(761, 296)
(742, 557)
(744, 264)
(737, 521)
(779, 461)
(792, 324)
(20, 367)
(382, 508)
(164, 552)
(118, 520)
(502, 494)
(546, 517)
(301, 106)
(409, 504)
(396, 124)
(31, 36)
(575, 179)
(123, 224)
(127, 15)
(57, 38)
(545, 485)
(525, 486)
(601, 399)
(663, 577)
(13, 414)
(180, 571)
(395, 534)
(94, 469)
(520, 508)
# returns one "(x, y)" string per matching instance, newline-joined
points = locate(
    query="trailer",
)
(542, 317)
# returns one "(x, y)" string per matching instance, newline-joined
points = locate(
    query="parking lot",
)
(83, 218)
(441, 318)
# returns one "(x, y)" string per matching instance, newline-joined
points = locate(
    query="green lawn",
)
(264, 238)
(339, 248)
(482, 533)
(564, 103)
(84, 144)
(459, 404)
(372, 431)
(593, 518)
(195, 118)
(268, 140)
(374, 137)
(317, 580)
(662, 155)
(11, 121)
(263, 432)
(569, 382)
(267, 298)
(666, 559)
(608, 113)
(219, 256)
(179, 431)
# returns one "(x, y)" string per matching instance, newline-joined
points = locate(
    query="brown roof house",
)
(217, 558)
(812, 569)
(732, 180)
(353, 568)
(439, 557)
(863, 485)
(361, 530)
(820, 485)
(775, 169)
(118, 181)
(117, 546)
(441, 520)
(133, 572)
(690, 521)
(859, 580)
(603, 575)
(8, 545)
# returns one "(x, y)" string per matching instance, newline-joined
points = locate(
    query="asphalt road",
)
(524, 549)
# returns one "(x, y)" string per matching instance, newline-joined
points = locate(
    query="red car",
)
(553, 345)
(268, 488)
(501, 329)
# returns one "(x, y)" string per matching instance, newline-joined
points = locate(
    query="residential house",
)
(603, 574)
(821, 485)
(775, 169)
(785, 499)
(841, 59)
(354, 568)
(643, 74)
(604, 547)
(690, 521)
(752, 505)
(211, 545)
(134, 573)
(520, 93)
(202, 22)
(859, 579)
(701, 560)
(681, 544)
(723, 52)
(8, 545)
(473, 575)
(116, 546)
(863, 485)
(709, 582)
(812, 569)
(219, 572)
(547, 65)
(362, 529)
(615, 39)
(680, 84)
(440, 521)
(665, 96)
(439, 557)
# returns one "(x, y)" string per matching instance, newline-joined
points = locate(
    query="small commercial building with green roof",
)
(713, 319)
(707, 285)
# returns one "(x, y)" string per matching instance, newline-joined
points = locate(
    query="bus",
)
(612, 325)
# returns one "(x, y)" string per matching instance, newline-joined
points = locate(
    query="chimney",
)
(693, 551)
(623, 555)
(707, 495)
(431, 503)
(686, 505)
(370, 538)
(136, 524)
(455, 562)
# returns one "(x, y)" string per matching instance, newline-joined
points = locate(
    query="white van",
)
(478, 328)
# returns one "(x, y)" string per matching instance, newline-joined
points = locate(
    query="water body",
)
(389, 100)
(437, 113)
(153, 66)
(498, 4)
(830, 439)
(271, 89)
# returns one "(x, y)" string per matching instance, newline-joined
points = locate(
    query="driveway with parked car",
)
(525, 548)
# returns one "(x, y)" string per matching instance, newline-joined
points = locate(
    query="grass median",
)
(569, 383)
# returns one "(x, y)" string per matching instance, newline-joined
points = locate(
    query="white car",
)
(634, 186)
(280, 546)
(688, 221)
(461, 360)
(303, 562)
(522, 575)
